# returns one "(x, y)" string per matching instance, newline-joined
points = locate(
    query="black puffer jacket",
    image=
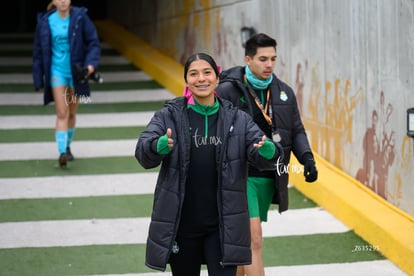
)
(239, 133)
(286, 117)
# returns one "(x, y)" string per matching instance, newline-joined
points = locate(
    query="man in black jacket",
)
(255, 89)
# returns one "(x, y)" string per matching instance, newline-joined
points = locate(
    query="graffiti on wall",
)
(379, 150)
(330, 114)
(329, 123)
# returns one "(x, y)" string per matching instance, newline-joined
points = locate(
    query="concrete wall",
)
(350, 63)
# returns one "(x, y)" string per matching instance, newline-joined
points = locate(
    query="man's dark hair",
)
(258, 41)
(198, 56)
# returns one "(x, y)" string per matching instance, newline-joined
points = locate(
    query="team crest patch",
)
(283, 96)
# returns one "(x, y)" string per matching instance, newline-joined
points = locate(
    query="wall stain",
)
(300, 83)
(190, 41)
(395, 194)
(379, 150)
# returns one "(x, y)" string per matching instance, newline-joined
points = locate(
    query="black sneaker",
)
(63, 159)
(69, 154)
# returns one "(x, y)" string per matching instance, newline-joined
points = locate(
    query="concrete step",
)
(78, 186)
(27, 61)
(134, 230)
(82, 120)
(124, 96)
(119, 76)
(80, 149)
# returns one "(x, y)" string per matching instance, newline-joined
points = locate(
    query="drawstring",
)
(206, 125)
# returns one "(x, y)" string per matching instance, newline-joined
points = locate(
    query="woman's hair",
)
(258, 41)
(198, 56)
(50, 6)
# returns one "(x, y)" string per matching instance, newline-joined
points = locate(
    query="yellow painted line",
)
(385, 227)
(161, 68)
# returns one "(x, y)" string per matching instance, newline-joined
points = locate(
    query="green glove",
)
(267, 150)
(162, 145)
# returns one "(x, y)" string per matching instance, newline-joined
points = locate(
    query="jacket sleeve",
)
(146, 148)
(92, 43)
(37, 62)
(254, 135)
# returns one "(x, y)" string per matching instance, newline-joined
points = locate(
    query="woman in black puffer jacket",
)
(204, 146)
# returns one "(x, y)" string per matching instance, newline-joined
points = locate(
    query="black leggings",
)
(197, 250)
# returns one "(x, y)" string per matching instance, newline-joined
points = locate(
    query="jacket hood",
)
(74, 11)
(232, 74)
(236, 74)
(181, 102)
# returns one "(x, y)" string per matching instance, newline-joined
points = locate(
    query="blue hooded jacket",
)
(85, 48)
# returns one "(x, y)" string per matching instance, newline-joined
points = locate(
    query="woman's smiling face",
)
(202, 81)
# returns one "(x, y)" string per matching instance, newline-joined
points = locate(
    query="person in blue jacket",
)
(65, 37)
(204, 145)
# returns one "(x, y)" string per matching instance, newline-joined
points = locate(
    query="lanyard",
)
(267, 107)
